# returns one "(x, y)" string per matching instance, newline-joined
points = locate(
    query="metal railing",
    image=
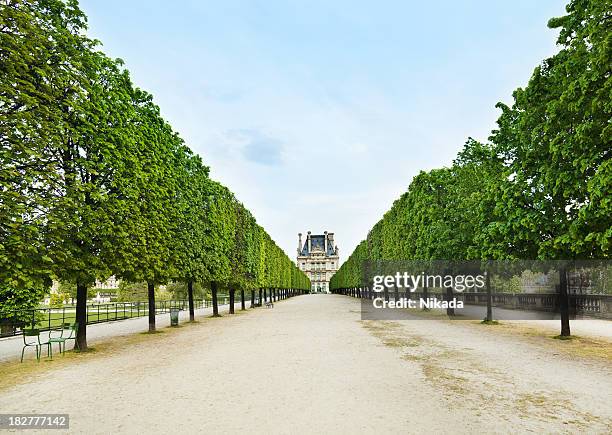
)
(46, 319)
(587, 305)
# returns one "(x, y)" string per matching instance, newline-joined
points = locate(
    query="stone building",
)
(318, 257)
(105, 290)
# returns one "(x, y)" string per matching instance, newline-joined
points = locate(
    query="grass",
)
(54, 320)
(489, 322)
(157, 331)
(439, 376)
(573, 346)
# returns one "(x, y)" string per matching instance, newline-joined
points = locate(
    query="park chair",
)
(269, 304)
(67, 332)
(28, 341)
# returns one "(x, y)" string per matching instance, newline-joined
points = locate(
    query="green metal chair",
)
(28, 342)
(67, 332)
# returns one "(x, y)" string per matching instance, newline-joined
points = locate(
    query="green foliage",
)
(16, 303)
(57, 300)
(178, 289)
(94, 182)
(555, 139)
(131, 291)
(539, 190)
(35, 42)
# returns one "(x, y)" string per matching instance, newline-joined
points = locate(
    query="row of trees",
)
(539, 189)
(94, 182)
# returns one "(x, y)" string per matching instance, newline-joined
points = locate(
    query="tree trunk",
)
(449, 297)
(190, 297)
(242, 303)
(232, 293)
(396, 295)
(425, 295)
(215, 301)
(489, 298)
(564, 303)
(151, 293)
(81, 318)
(252, 298)
(259, 300)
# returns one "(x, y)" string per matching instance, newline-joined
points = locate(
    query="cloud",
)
(256, 146)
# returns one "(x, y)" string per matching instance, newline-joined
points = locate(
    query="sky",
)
(317, 114)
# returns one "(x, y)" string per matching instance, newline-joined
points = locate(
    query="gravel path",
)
(310, 365)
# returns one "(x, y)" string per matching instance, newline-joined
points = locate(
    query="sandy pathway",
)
(311, 366)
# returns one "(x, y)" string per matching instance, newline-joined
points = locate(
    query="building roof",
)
(317, 244)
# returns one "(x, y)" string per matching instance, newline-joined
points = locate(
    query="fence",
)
(49, 318)
(588, 305)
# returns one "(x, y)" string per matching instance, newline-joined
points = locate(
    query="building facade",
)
(318, 258)
(106, 290)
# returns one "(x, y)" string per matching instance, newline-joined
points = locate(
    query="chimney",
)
(299, 242)
(309, 243)
(331, 241)
(325, 243)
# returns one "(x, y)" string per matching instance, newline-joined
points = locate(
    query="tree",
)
(540, 189)
(94, 182)
(86, 224)
(37, 42)
(194, 193)
(62, 140)
(219, 238)
(556, 141)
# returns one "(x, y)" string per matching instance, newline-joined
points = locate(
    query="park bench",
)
(269, 304)
(29, 341)
(68, 331)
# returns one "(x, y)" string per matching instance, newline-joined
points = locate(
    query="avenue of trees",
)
(539, 189)
(94, 182)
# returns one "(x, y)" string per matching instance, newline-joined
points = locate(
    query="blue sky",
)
(317, 114)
